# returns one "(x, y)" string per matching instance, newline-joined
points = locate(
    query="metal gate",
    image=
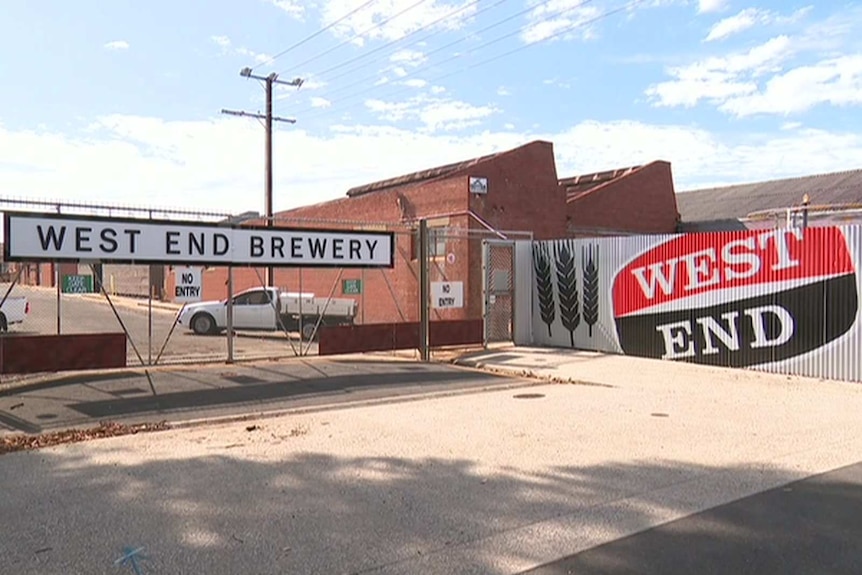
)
(498, 269)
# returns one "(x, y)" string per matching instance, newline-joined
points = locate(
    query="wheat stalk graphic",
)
(544, 284)
(591, 285)
(567, 288)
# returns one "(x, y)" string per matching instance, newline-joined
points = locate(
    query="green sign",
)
(77, 284)
(351, 287)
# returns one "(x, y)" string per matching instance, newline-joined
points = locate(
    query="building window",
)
(436, 243)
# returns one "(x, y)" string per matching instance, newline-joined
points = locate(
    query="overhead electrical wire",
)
(366, 79)
(399, 40)
(490, 60)
(314, 35)
(355, 36)
(430, 65)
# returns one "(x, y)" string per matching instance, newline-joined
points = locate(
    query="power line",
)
(450, 44)
(399, 40)
(493, 58)
(316, 34)
(364, 81)
(360, 34)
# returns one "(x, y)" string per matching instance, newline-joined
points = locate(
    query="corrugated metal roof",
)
(416, 177)
(734, 202)
(577, 186)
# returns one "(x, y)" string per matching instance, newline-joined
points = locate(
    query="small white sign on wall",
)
(447, 295)
(188, 284)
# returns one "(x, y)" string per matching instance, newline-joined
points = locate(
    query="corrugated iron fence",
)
(784, 300)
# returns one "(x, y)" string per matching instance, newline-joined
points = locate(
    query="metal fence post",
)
(150, 316)
(230, 314)
(424, 316)
(486, 293)
(57, 280)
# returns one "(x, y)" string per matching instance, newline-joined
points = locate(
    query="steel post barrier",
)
(424, 316)
(229, 314)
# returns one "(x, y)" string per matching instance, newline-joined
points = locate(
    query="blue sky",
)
(119, 101)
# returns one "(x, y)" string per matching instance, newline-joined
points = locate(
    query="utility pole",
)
(268, 118)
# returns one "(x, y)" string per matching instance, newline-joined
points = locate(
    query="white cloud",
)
(437, 89)
(750, 17)
(222, 41)
(556, 82)
(217, 162)
(791, 125)
(415, 83)
(312, 84)
(565, 19)
(706, 6)
(837, 81)
(735, 24)
(258, 57)
(408, 57)
(509, 126)
(226, 46)
(717, 79)
(318, 102)
(117, 45)
(294, 8)
(503, 91)
(434, 113)
(400, 18)
(399, 71)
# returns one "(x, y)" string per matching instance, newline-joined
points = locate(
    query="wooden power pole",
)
(268, 118)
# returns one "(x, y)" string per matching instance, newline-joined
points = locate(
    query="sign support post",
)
(424, 315)
(230, 314)
(57, 280)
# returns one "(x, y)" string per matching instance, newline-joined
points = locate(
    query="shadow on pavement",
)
(225, 391)
(254, 391)
(310, 512)
(811, 526)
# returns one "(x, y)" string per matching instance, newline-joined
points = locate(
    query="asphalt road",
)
(492, 483)
(812, 526)
(186, 393)
(82, 314)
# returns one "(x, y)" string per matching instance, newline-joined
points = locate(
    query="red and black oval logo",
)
(738, 298)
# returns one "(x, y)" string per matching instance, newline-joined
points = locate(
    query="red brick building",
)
(516, 190)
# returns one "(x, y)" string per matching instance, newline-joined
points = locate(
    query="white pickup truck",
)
(254, 309)
(13, 310)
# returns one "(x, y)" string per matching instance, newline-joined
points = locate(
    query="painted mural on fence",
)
(760, 298)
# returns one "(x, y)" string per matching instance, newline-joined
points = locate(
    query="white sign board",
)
(187, 285)
(55, 237)
(447, 294)
(478, 185)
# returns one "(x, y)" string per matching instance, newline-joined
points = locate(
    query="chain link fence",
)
(274, 319)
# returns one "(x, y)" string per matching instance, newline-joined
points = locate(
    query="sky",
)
(120, 102)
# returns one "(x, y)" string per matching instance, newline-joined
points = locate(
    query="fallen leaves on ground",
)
(23, 442)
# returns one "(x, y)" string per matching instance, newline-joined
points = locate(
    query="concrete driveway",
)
(497, 482)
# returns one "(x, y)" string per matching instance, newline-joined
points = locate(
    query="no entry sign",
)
(187, 284)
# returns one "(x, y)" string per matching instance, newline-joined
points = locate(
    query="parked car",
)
(14, 310)
(269, 309)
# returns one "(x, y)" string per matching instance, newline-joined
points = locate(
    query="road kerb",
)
(525, 373)
(275, 413)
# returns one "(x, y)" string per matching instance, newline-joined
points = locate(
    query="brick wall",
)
(643, 202)
(523, 195)
(523, 192)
